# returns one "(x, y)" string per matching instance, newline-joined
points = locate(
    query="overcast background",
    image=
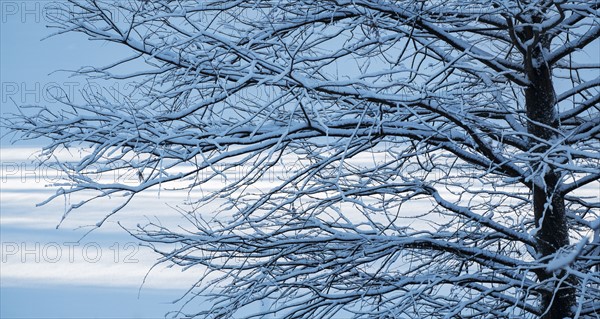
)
(47, 272)
(57, 273)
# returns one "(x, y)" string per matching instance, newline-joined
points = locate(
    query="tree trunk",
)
(548, 203)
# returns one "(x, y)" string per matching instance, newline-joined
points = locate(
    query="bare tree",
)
(374, 158)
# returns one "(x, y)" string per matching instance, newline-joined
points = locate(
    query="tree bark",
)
(548, 203)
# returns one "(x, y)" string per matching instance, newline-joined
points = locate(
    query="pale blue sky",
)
(30, 65)
(57, 290)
